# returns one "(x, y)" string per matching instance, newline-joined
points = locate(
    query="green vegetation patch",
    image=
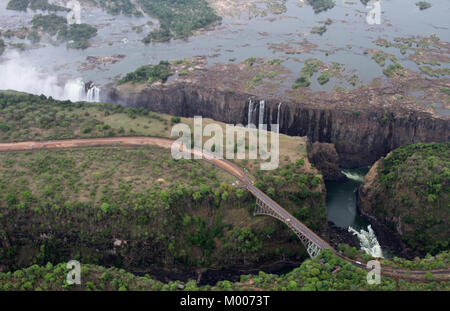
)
(318, 30)
(445, 90)
(439, 261)
(297, 191)
(324, 273)
(423, 5)
(394, 70)
(85, 185)
(18, 5)
(50, 24)
(149, 74)
(22, 5)
(353, 80)
(165, 213)
(115, 7)
(415, 180)
(321, 5)
(141, 196)
(435, 73)
(43, 5)
(77, 34)
(2, 46)
(323, 78)
(30, 117)
(379, 58)
(311, 66)
(178, 19)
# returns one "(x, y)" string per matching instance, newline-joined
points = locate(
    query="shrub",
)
(175, 120)
(2, 46)
(379, 58)
(318, 30)
(323, 78)
(393, 69)
(423, 5)
(321, 5)
(18, 5)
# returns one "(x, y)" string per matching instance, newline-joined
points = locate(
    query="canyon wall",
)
(361, 130)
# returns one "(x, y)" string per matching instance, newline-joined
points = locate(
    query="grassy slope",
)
(47, 186)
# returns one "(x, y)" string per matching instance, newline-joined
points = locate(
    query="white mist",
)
(18, 76)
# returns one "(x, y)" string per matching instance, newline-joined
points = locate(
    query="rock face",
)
(339, 235)
(325, 158)
(360, 136)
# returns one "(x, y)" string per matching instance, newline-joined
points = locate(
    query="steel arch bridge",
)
(312, 248)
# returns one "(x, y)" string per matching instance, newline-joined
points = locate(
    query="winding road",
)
(223, 164)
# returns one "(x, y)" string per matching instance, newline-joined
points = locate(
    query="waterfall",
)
(368, 241)
(17, 75)
(353, 176)
(93, 94)
(251, 109)
(261, 114)
(74, 90)
(278, 117)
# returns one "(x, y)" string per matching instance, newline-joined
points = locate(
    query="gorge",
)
(363, 112)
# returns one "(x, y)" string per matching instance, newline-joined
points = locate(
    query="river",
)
(342, 211)
(237, 37)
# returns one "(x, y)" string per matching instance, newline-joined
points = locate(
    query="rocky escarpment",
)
(363, 124)
(405, 196)
(325, 159)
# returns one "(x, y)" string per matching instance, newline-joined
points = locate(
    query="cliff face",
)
(325, 159)
(360, 136)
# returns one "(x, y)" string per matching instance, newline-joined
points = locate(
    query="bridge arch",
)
(261, 208)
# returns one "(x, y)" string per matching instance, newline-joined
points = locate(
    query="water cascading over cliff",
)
(18, 76)
(261, 114)
(353, 176)
(278, 117)
(93, 94)
(251, 109)
(368, 240)
(76, 90)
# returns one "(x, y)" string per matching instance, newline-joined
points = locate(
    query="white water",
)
(93, 94)
(18, 76)
(278, 117)
(368, 241)
(261, 114)
(251, 109)
(353, 176)
(73, 90)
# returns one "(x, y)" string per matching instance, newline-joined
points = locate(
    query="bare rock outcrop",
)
(325, 159)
